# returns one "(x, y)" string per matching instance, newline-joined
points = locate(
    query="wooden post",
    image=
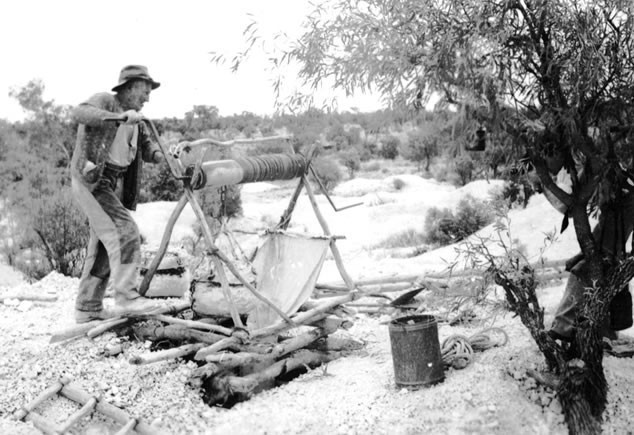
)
(286, 216)
(100, 329)
(167, 234)
(176, 352)
(333, 247)
(216, 252)
(84, 328)
(193, 324)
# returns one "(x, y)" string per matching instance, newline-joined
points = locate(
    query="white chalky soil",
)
(353, 395)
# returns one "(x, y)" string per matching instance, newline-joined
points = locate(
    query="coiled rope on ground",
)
(457, 350)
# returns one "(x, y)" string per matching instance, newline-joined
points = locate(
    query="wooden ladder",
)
(89, 404)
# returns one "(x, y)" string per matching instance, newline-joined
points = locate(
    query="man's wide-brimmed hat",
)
(132, 72)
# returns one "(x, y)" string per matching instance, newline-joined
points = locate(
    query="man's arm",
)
(95, 110)
(150, 151)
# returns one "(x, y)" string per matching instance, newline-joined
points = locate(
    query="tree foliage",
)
(555, 76)
(44, 221)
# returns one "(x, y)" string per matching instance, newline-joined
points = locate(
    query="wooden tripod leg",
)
(218, 254)
(286, 216)
(333, 247)
(224, 284)
(167, 234)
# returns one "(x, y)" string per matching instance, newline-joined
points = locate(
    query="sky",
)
(78, 47)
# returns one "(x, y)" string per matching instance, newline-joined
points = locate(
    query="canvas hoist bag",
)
(287, 267)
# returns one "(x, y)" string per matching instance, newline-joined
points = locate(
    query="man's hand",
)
(157, 156)
(132, 117)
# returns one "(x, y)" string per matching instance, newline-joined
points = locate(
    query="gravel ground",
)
(356, 394)
(353, 395)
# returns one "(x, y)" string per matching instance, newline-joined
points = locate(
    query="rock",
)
(24, 306)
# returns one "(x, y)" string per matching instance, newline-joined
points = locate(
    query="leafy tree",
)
(36, 187)
(554, 75)
(390, 148)
(422, 146)
(202, 118)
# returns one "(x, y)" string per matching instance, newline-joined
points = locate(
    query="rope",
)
(457, 350)
(272, 167)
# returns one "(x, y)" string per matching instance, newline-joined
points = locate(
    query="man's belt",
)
(113, 170)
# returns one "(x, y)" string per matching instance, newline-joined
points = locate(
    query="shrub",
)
(159, 184)
(328, 172)
(214, 206)
(47, 232)
(421, 148)
(389, 150)
(444, 227)
(464, 169)
(273, 147)
(404, 239)
(372, 167)
(351, 160)
(370, 149)
(397, 183)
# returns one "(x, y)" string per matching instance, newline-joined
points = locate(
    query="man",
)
(106, 171)
(614, 227)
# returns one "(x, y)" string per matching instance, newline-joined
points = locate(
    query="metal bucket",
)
(416, 351)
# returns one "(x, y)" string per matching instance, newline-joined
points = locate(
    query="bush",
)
(212, 203)
(273, 147)
(328, 172)
(464, 169)
(351, 160)
(398, 184)
(389, 150)
(372, 167)
(404, 239)
(444, 227)
(45, 233)
(159, 184)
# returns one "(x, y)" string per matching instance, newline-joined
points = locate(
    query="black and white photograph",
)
(347, 217)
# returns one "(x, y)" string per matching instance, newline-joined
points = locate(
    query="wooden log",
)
(81, 413)
(302, 318)
(336, 344)
(162, 355)
(302, 358)
(203, 372)
(167, 235)
(241, 359)
(35, 297)
(82, 329)
(229, 360)
(117, 414)
(100, 329)
(372, 281)
(176, 333)
(41, 398)
(309, 316)
(332, 323)
(193, 324)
